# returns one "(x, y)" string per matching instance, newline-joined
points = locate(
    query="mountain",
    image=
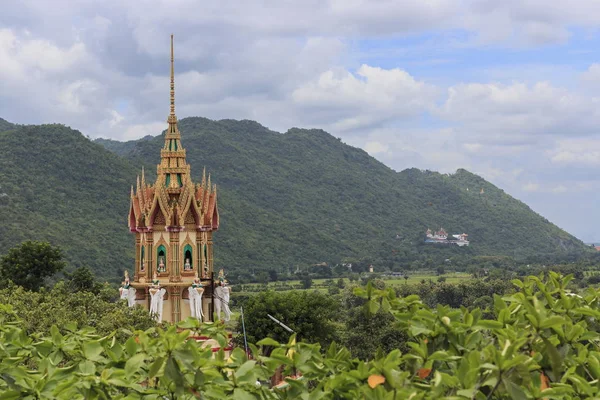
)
(56, 185)
(285, 200)
(5, 125)
(305, 197)
(120, 148)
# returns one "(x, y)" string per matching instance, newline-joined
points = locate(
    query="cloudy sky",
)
(507, 89)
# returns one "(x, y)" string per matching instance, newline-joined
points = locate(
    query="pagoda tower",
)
(173, 221)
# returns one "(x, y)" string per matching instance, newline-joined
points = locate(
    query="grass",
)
(321, 284)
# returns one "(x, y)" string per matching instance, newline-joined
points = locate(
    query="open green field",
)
(322, 284)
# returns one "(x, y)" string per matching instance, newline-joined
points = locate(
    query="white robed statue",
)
(226, 310)
(196, 291)
(222, 293)
(127, 292)
(156, 303)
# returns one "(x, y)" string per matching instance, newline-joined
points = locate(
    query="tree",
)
(273, 275)
(60, 306)
(30, 264)
(310, 314)
(306, 282)
(262, 277)
(364, 333)
(82, 279)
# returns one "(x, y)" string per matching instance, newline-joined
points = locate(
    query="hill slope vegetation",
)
(285, 200)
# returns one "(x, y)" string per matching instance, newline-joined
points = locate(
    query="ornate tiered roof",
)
(174, 200)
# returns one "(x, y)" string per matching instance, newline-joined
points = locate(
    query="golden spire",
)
(172, 82)
(143, 192)
(173, 163)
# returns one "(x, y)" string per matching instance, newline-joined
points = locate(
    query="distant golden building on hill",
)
(173, 221)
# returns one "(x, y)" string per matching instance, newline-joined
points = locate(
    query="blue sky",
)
(508, 90)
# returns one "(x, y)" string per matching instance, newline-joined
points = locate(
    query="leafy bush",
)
(60, 306)
(541, 343)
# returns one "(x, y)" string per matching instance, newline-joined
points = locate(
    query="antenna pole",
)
(244, 330)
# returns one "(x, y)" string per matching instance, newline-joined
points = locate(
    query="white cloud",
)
(531, 187)
(74, 96)
(519, 114)
(363, 70)
(576, 151)
(23, 57)
(473, 147)
(140, 130)
(376, 147)
(366, 98)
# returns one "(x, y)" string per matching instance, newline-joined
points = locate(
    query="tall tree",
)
(82, 279)
(29, 264)
(310, 314)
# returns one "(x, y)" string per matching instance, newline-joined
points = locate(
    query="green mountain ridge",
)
(5, 125)
(285, 200)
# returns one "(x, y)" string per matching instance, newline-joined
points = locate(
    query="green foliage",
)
(5, 125)
(365, 333)
(30, 264)
(82, 279)
(540, 344)
(308, 313)
(306, 282)
(62, 306)
(456, 295)
(59, 187)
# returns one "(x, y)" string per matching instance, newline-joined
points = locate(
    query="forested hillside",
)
(305, 197)
(58, 186)
(285, 200)
(5, 125)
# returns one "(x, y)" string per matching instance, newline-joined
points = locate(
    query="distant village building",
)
(441, 237)
(370, 269)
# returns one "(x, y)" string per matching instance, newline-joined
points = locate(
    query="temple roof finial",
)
(172, 80)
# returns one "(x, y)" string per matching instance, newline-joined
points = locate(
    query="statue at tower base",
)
(157, 295)
(222, 294)
(195, 292)
(126, 292)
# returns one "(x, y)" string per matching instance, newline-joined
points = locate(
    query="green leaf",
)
(241, 394)
(155, 367)
(87, 367)
(173, 372)
(92, 350)
(131, 346)
(134, 364)
(552, 321)
(555, 357)
(557, 392)
(11, 395)
(488, 324)
(245, 368)
(515, 391)
(56, 336)
(268, 342)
